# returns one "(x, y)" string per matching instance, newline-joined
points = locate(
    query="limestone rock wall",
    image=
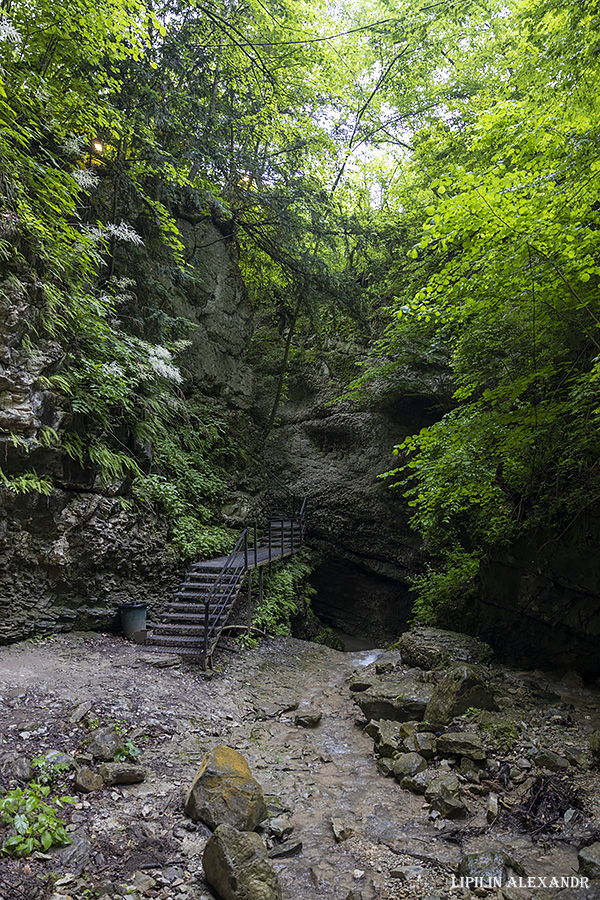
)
(68, 560)
(333, 453)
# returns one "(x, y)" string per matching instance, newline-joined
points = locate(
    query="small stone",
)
(407, 873)
(160, 661)
(143, 882)
(80, 711)
(357, 874)
(309, 718)
(491, 808)
(385, 766)
(423, 743)
(58, 758)
(384, 668)
(387, 736)
(122, 773)
(443, 795)
(417, 783)
(488, 864)
(236, 865)
(341, 832)
(280, 827)
(288, 848)
(103, 743)
(470, 770)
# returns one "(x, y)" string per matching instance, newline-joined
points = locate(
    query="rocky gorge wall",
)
(69, 559)
(332, 453)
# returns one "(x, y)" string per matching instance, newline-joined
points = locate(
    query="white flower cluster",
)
(161, 361)
(74, 144)
(8, 32)
(85, 179)
(122, 232)
(112, 369)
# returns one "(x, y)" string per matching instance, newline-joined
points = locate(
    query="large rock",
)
(386, 735)
(460, 743)
(487, 864)
(401, 700)
(442, 793)
(408, 764)
(461, 689)
(236, 865)
(589, 861)
(224, 791)
(429, 648)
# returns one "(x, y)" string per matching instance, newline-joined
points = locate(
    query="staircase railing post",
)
(292, 529)
(255, 545)
(282, 537)
(249, 609)
(270, 544)
(206, 622)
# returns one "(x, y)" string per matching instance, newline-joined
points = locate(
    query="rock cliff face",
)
(539, 602)
(333, 453)
(69, 559)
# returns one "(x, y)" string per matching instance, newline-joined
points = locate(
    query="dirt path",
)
(175, 716)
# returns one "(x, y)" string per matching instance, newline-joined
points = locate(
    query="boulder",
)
(595, 744)
(400, 699)
(442, 794)
(386, 735)
(459, 690)
(548, 759)
(589, 861)
(488, 864)
(460, 743)
(430, 648)
(224, 791)
(408, 764)
(237, 866)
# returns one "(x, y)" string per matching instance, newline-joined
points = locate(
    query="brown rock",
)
(224, 791)
(237, 866)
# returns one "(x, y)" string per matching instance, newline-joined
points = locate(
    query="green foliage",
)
(48, 772)
(285, 591)
(26, 483)
(33, 817)
(504, 285)
(129, 751)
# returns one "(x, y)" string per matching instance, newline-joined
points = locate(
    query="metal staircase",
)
(193, 622)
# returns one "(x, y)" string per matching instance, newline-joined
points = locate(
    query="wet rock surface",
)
(388, 841)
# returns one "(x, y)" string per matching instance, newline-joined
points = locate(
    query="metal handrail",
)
(221, 593)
